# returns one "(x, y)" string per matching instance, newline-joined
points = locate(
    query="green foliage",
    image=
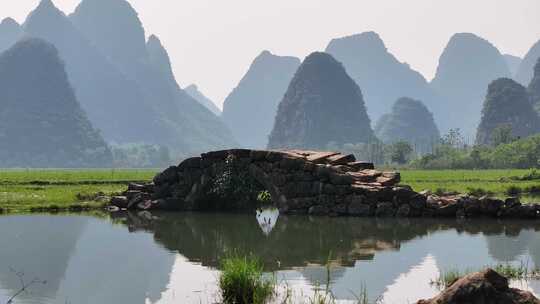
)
(532, 174)
(502, 134)
(140, 156)
(264, 197)
(519, 154)
(233, 186)
(400, 152)
(242, 282)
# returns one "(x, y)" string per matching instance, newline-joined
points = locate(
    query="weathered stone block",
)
(359, 209)
(168, 176)
(385, 210)
(403, 211)
(341, 179)
(318, 210)
(341, 159)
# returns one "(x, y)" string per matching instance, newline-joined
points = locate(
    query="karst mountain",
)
(507, 105)
(525, 72)
(114, 27)
(250, 109)
(10, 33)
(113, 103)
(382, 78)
(513, 63)
(41, 122)
(193, 91)
(410, 121)
(534, 87)
(322, 105)
(466, 67)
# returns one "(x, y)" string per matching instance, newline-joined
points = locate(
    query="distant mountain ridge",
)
(250, 109)
(114, 27)
(124, 83)
(193, 91)
(322, 105)
(41, 123)
(382, 78)
(466, 67)
(10, 33)
(410, 121)
(525, 72)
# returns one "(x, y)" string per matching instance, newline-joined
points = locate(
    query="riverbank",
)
(63, 190)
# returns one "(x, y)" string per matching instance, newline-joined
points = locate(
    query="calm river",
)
(174, 258)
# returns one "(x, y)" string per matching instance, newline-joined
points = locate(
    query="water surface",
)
(174, 258)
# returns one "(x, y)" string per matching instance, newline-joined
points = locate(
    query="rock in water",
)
(482, 287)
(466, 67)
(322, 105)
(381, 76)
(251, 108)
(41, 122)
(534, 87)
(409, 121)
(10, 33)
(193, 91)
(507, 105)
(526, 68)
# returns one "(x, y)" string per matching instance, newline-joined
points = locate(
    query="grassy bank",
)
(61, 190)
(494, 182)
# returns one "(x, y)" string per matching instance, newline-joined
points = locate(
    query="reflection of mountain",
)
(100, 271)
(84, 260)
(40, 246)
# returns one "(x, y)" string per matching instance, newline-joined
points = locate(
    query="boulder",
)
(480, 288)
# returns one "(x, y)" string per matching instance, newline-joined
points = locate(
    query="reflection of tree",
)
(40, 246)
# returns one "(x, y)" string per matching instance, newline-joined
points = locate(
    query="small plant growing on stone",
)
(264, 197)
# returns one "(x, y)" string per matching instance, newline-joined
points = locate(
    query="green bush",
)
(242, 282)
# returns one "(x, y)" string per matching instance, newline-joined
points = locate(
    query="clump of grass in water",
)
(242, 282)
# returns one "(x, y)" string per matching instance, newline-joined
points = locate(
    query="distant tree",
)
(400, 152)
(502, 135)
(453, 139)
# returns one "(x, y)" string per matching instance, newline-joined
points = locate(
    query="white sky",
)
(212, 42)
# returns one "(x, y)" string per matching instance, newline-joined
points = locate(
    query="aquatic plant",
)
(242, 282)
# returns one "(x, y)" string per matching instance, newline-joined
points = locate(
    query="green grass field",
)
(496, 182)
(27, 190)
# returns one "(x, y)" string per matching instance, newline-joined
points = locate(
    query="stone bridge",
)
(302, 182)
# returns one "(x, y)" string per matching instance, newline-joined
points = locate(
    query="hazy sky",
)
(212, 42)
